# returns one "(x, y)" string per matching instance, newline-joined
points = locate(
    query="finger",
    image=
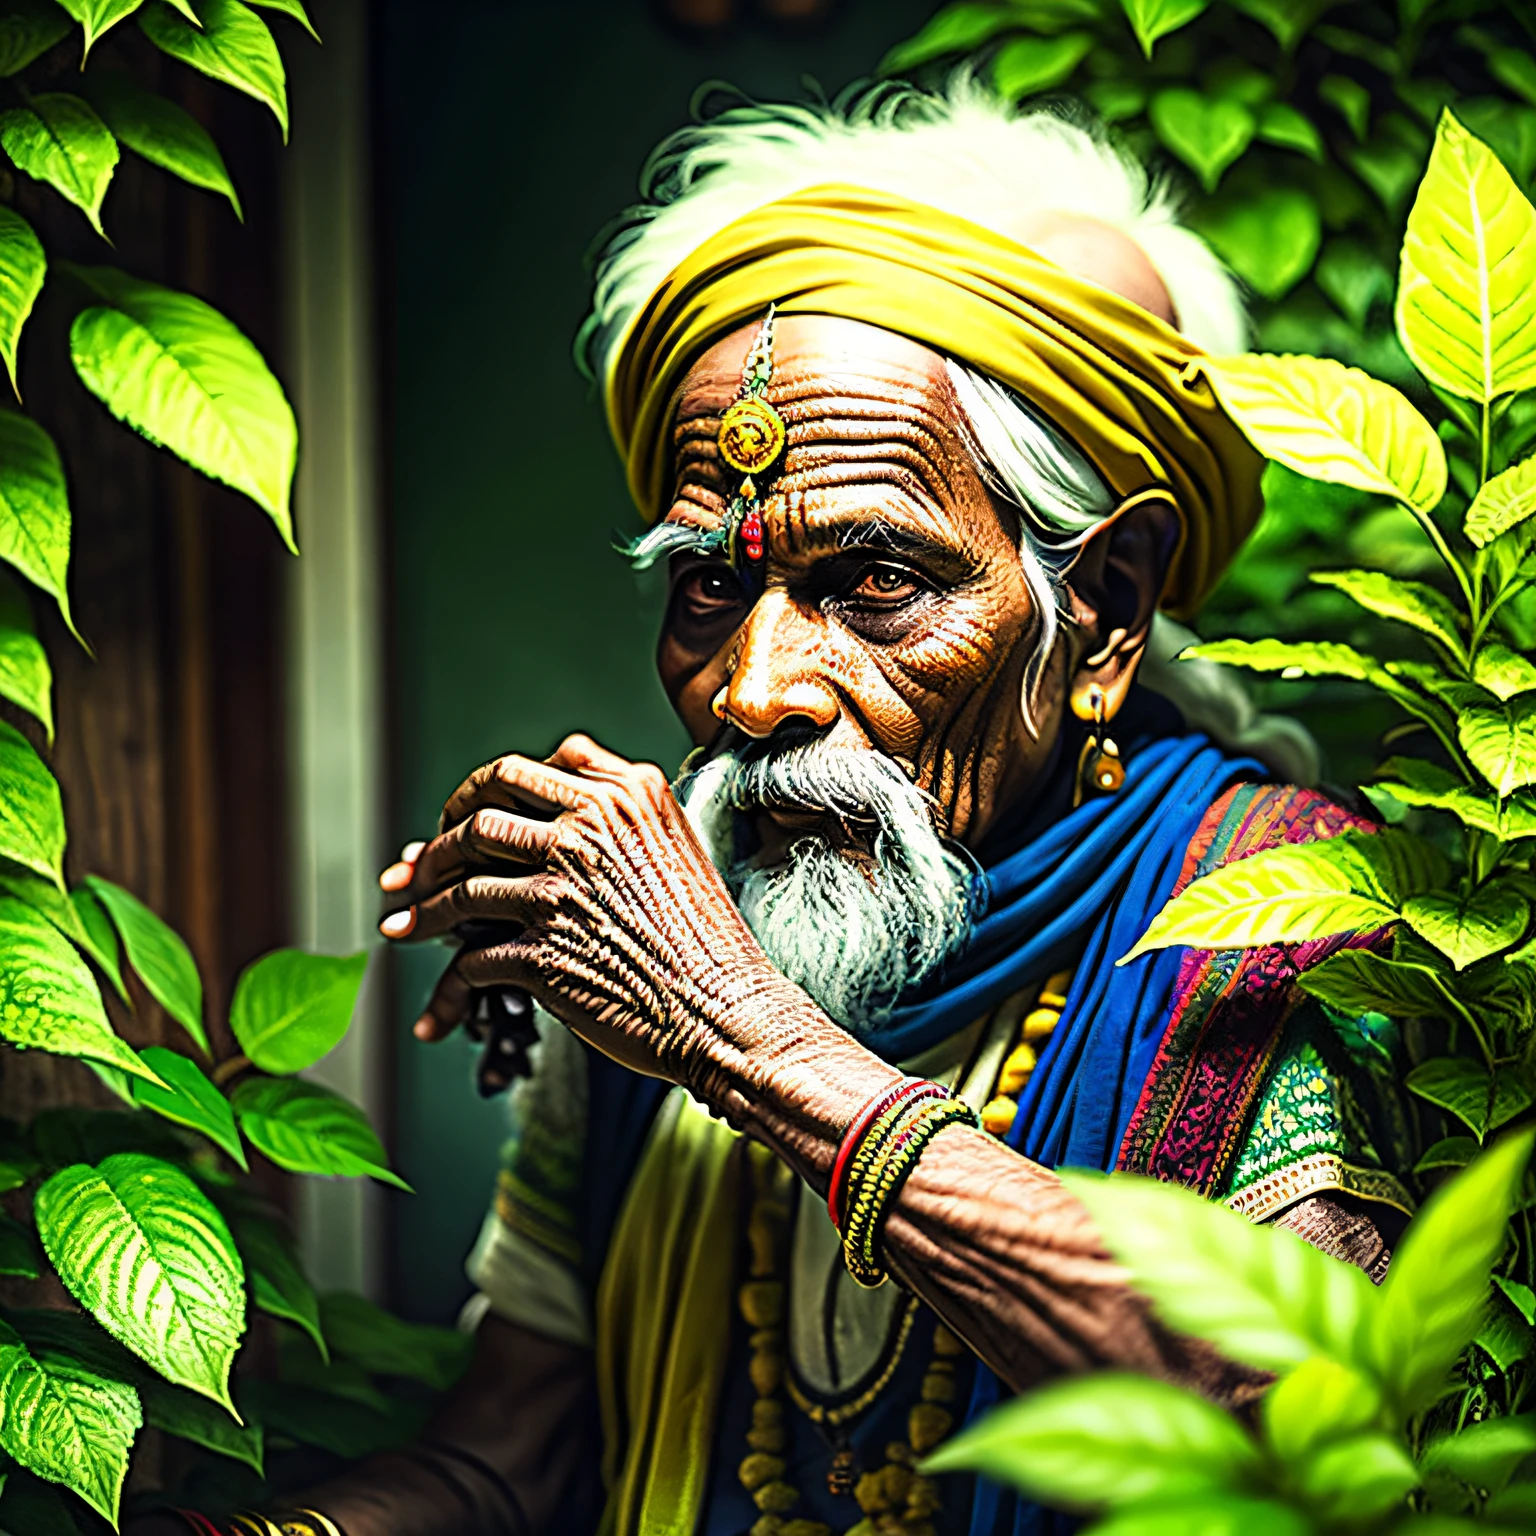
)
(485, 898)
(514, 783)
(490, 836)
(449, 1006)
(580, 754)
(398, 875)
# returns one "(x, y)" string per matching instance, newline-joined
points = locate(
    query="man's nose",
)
(778, 674)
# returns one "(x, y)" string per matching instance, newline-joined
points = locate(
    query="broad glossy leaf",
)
(290, 1008)
(1350, 100)
(1437, 1287)
(1348, 884)
(163, 133)
(160, 956)
(18, 1257)
(188, 1099)
(385, 1345)
(58, 139)
(66, 1423)
(1289, 20)
(22, 269)
(233, 46)
(278, 1284)
(28, 29)
(1258, 1293)
(1206, 132)
(99, 16)
(1466, 301)
(143, 1250)
(1221, 1514)
(76, 916)
(1316, 1403)
(1507, 499)
(1448, 1152)
(1268, 237)
(1501, 742)
(1286, 128)
(1027, 65)
(955, 29)
(1152, 19)
(1111, 1439)
(190, 1417)
(1359, 1479)
(308, 1129)
(49, 1000)
(1486, 1454)
(1356, 981)
(97, 937)
(31, 812)
(1462, 1086)
(1354, 276)
(1503, 672)
(177, 371)
(1408, 602)
(1333, 423)
(1314, 658)
(1505, 1338)
(1415, 782)
(1491, 919)
(25, 676)
(34, 507)
(295, 9)
(1521, 1297)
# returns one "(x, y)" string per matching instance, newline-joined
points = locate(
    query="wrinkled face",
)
(895, 613)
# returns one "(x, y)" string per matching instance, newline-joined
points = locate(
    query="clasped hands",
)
(607, 911)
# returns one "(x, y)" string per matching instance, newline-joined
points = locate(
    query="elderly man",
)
(912, 389)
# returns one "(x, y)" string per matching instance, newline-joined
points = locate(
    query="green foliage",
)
(1335, 1447)
(308, 1129)
(25, 676)
(290, 1008)
(22, 268)
(278, 1284)
(188, 1099)
(58, 139)
(380, 1343)
(228, 42)
(34, 507)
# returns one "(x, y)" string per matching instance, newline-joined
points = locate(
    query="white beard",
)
(855, 931)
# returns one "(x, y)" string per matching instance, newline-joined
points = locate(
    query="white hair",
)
(962, 150)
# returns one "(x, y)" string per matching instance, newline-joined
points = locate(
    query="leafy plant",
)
(1342, 1441)
(140, 1212)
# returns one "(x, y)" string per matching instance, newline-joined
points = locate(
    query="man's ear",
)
(1115, 584)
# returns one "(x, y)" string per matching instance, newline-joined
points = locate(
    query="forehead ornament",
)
(751, 438)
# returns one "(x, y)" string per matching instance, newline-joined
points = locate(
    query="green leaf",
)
(1259, 1294)
(1347, 884)
(1387, 165)
(48, 998)
(34, 507)
(1504, 1338)
(1408, 602)
(98, 16)
(1521, 1297)
(1462, 1086)
(190, 1417)
(1356, 981)
(308, 1129)
(295, 9)
(1501, 742)
(1286, 128)
(1113, 1439)
(278, 1285)
(1492, 918)
(1466, 305)
(1333, 423)
(25, 676)
(1268, 237)
(348, 1429)
(1292, 659)
(384, 1345)
(143, 1250)
(955, 29)
(28, 29)
(1437, 1287)
(22, 269)
(163, 133)
(188, 1099)
(1515, 68)
(290, 1008)
(1152, 19)
(178, 372)
(1355, 277)
(31, 812)
(1316, 1403)
(1503, 672)
(1359, 1479)
(1507, 129)
(1289, 20)
(17, 1255)
(1350, 100)
(57, 138)
(1116, 100)
(232, 46)
(1448, 1152)
(1414, 782)
(66, 1423)
(1486, 1454)
(1027, 65)
(1223, 1514)
(97, 937)
(1206, 132)
(1506, 500)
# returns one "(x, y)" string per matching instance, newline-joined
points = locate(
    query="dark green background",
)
(508, 134)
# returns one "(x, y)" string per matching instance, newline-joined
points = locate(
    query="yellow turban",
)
(1124, 387)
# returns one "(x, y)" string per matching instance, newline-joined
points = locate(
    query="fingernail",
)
(396, 877)
(422, 1028)
(411, 852)
(398, 924)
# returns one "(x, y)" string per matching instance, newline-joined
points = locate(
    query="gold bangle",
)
(894, 1162)
(249, 1523)
(308, 1522)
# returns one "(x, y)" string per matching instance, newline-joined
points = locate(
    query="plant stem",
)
(233, 1067)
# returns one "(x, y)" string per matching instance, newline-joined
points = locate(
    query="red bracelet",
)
(200, 1524)
(858, 1128)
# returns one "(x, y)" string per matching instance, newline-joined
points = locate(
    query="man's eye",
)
(885, 586)
(707, 595)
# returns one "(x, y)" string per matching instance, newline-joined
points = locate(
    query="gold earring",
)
(717, 704)
(1099, 769)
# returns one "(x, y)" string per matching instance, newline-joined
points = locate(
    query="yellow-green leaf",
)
(1491, 919)
(232, 45)
(1415, 782)
(1408, 602)
(98, 16)
(1268, 236)
(1152, 19)
(291, 8)
(28, 29)
(954, 29)
(1333, 423)
(31, 813)
(290, 1008)
(25, 676)
(57, 138)
(1026, 65)
(1503, 672)
(1466, 296)
(1292, 658)
(1503, 503)
(177, 371)
(308, 1129)
(145, 1252)
(188, 1099)
(1501, 742)
(1206, 132)
(22, 268)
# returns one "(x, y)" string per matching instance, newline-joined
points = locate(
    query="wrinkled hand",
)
(617, 921)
